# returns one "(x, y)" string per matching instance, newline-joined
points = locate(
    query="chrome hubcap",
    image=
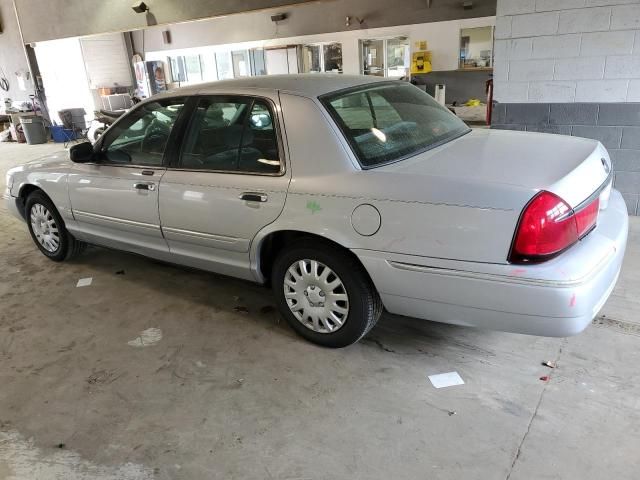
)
(44, 228)
(316, 296)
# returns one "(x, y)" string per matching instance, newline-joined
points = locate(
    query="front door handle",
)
(254, 197)
(145, 186)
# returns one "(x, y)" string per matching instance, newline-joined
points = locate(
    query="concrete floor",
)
(231, 395)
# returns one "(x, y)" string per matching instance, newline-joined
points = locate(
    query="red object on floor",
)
(545, 378)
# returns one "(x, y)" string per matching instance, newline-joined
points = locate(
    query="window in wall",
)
(241, 66)
(209, 70)
(224, 65)
(178, 69)
(256, 59)
(311, 59)
(332, 53)
(141, 137)
(476, 47)
(372, 52)
(322, 58)
(277, 61)
(231, 134)
(398, 57)
(194, 69)
(385, 57)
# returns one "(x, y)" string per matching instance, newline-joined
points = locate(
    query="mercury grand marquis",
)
(349, 195)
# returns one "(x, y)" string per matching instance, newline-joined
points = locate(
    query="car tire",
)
(48, 230)
(302, 297)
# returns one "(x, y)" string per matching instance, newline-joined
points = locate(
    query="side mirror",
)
(260, 120)
(81, 153)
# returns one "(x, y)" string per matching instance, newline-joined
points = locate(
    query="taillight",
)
(586, 217)
(548, 226)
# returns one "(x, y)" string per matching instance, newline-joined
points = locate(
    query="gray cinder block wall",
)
(572, 67)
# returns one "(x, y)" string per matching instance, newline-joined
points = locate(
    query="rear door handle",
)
(254, 197)
(145, 186)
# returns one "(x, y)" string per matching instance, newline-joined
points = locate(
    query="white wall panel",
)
(106, 61)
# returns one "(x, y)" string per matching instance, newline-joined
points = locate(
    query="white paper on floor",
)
(84, 282)
(449, 379)
(147, 337)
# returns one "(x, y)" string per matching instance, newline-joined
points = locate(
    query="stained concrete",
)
(230, 395)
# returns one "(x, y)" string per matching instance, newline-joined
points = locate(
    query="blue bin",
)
(61, 134)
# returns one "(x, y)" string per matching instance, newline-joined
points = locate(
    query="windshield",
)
(387, 122)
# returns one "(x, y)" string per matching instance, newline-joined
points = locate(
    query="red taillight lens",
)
(548, 226)
(586, 217)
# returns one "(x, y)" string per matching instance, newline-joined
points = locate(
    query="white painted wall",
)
(443, 40)
(567, 51)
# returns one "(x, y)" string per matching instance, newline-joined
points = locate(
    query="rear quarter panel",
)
(423, 217)
(320, 205)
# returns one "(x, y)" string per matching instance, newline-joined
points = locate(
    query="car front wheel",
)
(47, 229)
(324, 294)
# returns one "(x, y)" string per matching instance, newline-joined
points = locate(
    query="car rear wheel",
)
(48, 230)
(324, 294)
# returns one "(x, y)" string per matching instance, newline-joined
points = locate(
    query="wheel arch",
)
(24, 192)
(271, 243)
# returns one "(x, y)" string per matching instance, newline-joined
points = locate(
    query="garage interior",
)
(159, 372)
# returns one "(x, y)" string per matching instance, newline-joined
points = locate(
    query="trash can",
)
(33, 128)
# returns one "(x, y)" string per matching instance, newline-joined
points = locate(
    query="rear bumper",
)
(557, 298)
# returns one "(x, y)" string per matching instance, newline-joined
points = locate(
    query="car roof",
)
(306, 84)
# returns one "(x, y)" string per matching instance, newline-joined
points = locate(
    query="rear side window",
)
(231, 134)
(389, 122)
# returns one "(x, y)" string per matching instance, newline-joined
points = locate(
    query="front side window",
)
(231, 134)
(387, 122)
(140, 138)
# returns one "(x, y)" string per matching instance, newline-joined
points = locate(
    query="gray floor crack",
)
(534, 415)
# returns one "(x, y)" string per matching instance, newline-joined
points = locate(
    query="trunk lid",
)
(572, 168)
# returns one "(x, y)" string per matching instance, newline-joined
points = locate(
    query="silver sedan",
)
(349, 195)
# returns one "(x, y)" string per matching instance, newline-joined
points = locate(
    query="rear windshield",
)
(387, 122)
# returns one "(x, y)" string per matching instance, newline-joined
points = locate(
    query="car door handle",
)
(145, 186)
(254, 197)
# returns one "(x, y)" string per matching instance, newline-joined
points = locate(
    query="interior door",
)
(229, 181)
(115, 199)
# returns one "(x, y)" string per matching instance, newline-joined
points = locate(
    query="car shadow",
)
(392, 333)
